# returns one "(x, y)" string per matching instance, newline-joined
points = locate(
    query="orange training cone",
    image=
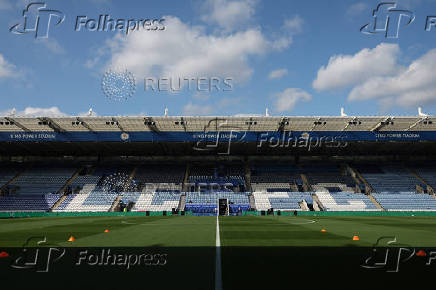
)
(421, 253)
(106, 231)
(323, 230)
(71, 239)
(356, 238)
(4, 254)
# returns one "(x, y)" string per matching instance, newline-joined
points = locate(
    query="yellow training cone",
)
(356, 238)
(71, 239)
(106, 231)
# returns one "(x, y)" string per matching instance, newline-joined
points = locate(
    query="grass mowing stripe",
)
(218, 271)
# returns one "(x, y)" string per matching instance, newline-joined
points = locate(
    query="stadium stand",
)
(328, 178)
(42, 179)
(158, 201)
(7, 173)
(275, 178)
(216, 177)
(406, 201)
(426, 172)
(346, 201)
(32, 202)
(281, 200)
(154, 177)
(390, 178)
(207, 202)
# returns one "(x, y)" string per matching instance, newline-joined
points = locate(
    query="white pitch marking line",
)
(218, 274)
(304, 223)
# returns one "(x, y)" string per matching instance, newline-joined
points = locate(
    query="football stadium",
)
(222, 188)
(217, 144)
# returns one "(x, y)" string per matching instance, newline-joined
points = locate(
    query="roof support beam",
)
(118, 124)
(379, 124)
(314, 124)
(282, 124)
(149, 123)
(348, 125)
(416, 123)
(84, 124)
(18, 124)
(52, 124)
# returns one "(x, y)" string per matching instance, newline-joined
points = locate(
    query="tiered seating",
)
(271, 187)
(154, 177)
(207, 202)
(406, 201)
(274, 178)
(428, 173)
(345, 201)
(159, 201)
(88, 202)
(43, 179)
(130, 197)
(32, 202)
(91, 197)
(217, 177)
(389, 178)
(327, 178)
(281, 200)
(7, 173)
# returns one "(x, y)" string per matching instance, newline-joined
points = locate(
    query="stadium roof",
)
(216, 123)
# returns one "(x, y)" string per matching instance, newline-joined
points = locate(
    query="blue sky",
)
(292, 57)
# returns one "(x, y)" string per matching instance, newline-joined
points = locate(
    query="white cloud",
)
(375, 74)
(286, 100)
(197, 110)
(278, 74)
(294, 25)
(229, 14)
(6, 69)
(344, 71)
(35, 112)
(182, 50)
(413, 86)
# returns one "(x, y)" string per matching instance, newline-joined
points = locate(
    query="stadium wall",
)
(224, 136)
(247, 213)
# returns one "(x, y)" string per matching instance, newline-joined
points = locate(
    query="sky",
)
(294, 57)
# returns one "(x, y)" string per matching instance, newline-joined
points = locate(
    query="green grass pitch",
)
(191, 231)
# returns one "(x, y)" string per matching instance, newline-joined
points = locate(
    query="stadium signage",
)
(274, 139)
(397, 135)
(32, 136)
